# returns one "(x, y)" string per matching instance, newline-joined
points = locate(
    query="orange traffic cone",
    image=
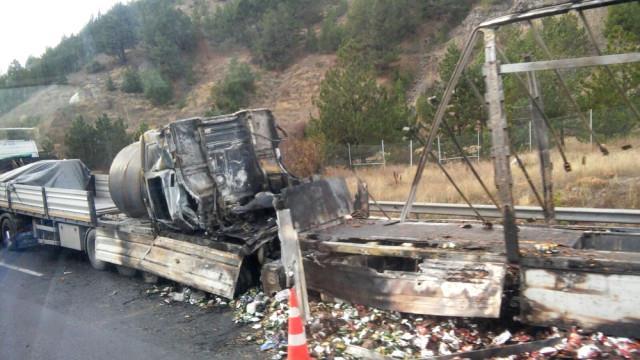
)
(297, 344)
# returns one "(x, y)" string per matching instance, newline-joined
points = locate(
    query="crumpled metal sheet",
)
(318, 202)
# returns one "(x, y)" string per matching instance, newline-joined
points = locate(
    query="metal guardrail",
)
(596, 215)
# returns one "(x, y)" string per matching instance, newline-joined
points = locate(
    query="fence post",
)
(411, 153)
(384, 161)
(529, 135)
(349, 150)
(591, 127)
(478, 146)
(439, 153)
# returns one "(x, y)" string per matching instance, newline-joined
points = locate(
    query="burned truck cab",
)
(203, 175)
(197, 202)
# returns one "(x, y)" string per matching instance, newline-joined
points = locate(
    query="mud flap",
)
(202, 267)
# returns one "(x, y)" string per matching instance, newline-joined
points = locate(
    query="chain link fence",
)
(476, 145)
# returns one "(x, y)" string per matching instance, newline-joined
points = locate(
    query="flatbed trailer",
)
(547, 274)
(567, 275)
(62, 217)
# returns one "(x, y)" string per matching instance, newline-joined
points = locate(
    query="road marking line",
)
(17, 268)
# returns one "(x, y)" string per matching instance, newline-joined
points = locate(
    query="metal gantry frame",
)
(493, 100)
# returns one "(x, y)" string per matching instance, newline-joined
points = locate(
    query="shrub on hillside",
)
(131, 82)
(156, 88)
(94, 67)
(111, 86)
(233, 92)
(303, 157)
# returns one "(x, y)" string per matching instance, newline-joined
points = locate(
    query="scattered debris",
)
(186, 294)
(547, 248)
(335, 326)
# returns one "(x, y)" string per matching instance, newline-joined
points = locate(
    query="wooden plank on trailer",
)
(199, 266)
(199, 250)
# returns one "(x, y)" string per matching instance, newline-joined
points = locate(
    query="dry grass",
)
(596, 180)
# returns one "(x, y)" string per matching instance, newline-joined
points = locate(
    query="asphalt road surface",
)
(53, 305)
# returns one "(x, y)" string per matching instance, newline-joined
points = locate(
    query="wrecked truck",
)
(196, 200)
(191, 202)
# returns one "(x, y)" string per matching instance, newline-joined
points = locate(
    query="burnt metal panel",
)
(199, 266)
(605, 302)
(318, 202)
(549, 11)
(440, 287)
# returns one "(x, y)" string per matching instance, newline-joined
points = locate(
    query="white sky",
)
(28, 27)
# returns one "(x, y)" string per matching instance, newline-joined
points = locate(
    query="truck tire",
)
(126, 271)
(9, 230)
(90, 248)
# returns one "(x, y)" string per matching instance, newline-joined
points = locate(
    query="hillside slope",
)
(289, 93)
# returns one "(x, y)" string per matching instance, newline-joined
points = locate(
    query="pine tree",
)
(115, 31)
(277, 38)
(80, 141)
(233, 92)
(354, 109)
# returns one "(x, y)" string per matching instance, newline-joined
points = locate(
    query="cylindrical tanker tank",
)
(126, 183)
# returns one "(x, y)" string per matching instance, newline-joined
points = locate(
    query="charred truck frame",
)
(590, 279)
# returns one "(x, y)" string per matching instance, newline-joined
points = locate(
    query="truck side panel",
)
(195, 265)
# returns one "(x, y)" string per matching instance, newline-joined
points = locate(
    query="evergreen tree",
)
(167, 34)
(115, 31)
(110, 85)
(276, 38)
(80, 141)
(354, 109)
(131, 82)
(465, 111)
(142, 128)
(233, 92)
(612, 115)
(377, 26)
(156, 88)
(331, 34)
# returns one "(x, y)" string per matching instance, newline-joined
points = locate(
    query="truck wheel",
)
(126, 271)
(90, 248)
(9, 231)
